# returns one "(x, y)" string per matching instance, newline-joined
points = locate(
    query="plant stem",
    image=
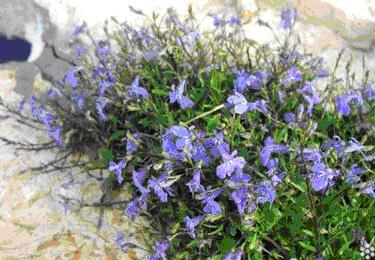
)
(204, 114)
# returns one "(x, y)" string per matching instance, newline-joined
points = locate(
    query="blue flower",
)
(70, 78)
(240, 177)
(199, 154)
(242, 81)
(131, 144)
(230, 164)
(177, 142)
(218, 22)
(100, 105)
(160, 250)
(216, 143)
(234, 20)
(57, 135)
(239, 102)
(78, 30)
(231, 256)
(161, 187)
(136, 91)
(116, 168)
(240, 198)
(138, 178)
(21, 106)
(342, 102)
(80, 99)
(294, 75)
(269, 148)
(312, 154)
(266, 192)
(353, 174)
(176, 95)
(195, 183)
(288, 17)
(369, 189)
(191, 223)
(211, 206)
(289, 117)
(322, 177)
(132, 210)
(354, 145)
(79, 51)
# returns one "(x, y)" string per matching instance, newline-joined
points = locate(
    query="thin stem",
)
(204, 114)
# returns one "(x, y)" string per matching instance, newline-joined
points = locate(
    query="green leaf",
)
(213, 123)
(117, 135)
(160, 92)
(253, 241)
(307, 246)
(107, 155)
(226, 244)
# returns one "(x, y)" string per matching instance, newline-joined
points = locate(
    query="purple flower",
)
(322, 177)
(338, 146)
(230, 164)
(78, 30)
(176, 95)
(21, 106)
(354, 145)
(215, 143)
(369, 92)
(288, 17)
(342, 102)
(266, 192)
(161, 187)
(294, 75)
(191, 223)
(312, 154)
(33, 107)
(211, 206)
(240, 177)
(218, 22)
(269, 148)
(277, 179)
(116, 168)
(136, 91)
(255, 81)
(160, 250)
(100, 105)
(70, 78)
(79, 51)
(57, 135)
(131, 145)
(138, 178)
(132, 210)
(370, 190)
(80, 99)
(195, 183)
(120, 241)
(234, 20)
(103, 86)
(353, 174)
(242, 81)
(231, 256)
(240, 198)
(177, 142)
(52, 93)
(289, 117)
(199, 154)
(321, 73)
(239, 102)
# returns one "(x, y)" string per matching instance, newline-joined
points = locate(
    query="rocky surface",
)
(35, 220)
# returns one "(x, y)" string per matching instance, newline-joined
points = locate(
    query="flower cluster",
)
(213, 147)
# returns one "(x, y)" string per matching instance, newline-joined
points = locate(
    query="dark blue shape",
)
(14, 49)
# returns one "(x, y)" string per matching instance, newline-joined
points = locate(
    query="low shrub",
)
(231, 149)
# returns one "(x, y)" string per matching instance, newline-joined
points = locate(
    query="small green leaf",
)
(307, 246)
(117, 135)
(226, 244)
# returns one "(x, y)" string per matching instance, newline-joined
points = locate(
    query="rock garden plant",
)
(231, 149)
